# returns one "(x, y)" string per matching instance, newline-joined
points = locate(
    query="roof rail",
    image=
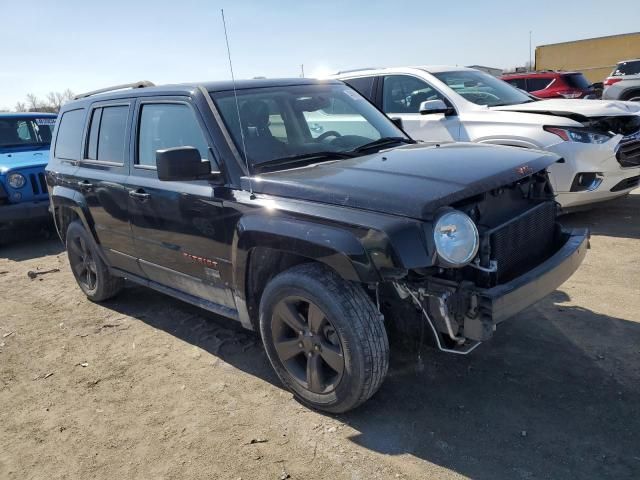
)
(140, 84)
(355, 70)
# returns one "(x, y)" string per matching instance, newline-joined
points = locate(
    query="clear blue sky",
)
(82, 45)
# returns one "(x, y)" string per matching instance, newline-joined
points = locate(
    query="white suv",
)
(599, 141)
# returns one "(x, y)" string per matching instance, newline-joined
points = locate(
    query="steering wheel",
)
(330, 133)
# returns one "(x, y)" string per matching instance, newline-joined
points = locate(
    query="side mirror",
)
(435, 106)
(397, 121)
(182, 163)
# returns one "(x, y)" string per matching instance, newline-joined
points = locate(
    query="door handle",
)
(139, 194)
(85, 185)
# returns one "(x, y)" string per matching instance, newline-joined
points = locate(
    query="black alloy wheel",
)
(307, 344)
(92, 274)
(324, 337)
(83, 263)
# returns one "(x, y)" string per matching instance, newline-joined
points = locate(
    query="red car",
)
(552, 84)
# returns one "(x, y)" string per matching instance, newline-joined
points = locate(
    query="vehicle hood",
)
(10, 160)
(412, 181)
(575, 108)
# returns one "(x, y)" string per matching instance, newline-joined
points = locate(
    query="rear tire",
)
(633, 96)
(91, 273)
(324, 337)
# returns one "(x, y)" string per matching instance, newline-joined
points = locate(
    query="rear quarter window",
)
(577, 80)
(627, 68)
(69, 138)
(364, 85)
(535, 84)
(518, 83)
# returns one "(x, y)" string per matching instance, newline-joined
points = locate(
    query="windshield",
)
(482, 88)
(323, 120)
(21, 131)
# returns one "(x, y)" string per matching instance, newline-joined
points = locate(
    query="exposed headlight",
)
(16, 180)
(456, 238)
(579, 135)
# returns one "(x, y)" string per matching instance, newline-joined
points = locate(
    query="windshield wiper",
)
(312, 156)
(382, 142)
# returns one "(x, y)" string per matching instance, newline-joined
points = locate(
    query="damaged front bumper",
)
(504, 301)
(611, 179)
(465, 314)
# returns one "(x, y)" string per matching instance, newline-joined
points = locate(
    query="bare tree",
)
(55, 100)
(33, 102)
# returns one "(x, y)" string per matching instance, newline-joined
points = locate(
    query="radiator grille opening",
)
(38, 183)
(524, 241)
(43, 182)
(628, 154)
(34, 184)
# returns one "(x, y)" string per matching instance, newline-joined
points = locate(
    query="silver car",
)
(624, 82)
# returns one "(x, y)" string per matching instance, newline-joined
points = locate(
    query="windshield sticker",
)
(352, 94)
(46, 121)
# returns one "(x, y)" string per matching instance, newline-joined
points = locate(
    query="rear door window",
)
(107, 134)
(535, 84)
(106, 140)
(111, 137)
(69, 138)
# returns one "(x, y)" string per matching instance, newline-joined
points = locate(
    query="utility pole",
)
(530, 62)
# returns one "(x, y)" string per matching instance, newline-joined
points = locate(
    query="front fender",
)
(338, 248)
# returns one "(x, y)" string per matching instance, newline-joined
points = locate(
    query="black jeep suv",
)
(300, 210)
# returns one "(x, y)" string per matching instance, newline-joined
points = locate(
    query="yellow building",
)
(594, 57)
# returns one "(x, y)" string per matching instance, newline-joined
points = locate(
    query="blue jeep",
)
(25, 139)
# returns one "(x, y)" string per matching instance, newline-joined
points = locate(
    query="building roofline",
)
(588, 39)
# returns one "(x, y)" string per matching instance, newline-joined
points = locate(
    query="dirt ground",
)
(147, 387)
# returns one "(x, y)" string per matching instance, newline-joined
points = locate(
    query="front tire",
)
(92, 275)
(324, 337)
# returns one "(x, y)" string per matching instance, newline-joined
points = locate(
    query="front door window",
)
(404, 94)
